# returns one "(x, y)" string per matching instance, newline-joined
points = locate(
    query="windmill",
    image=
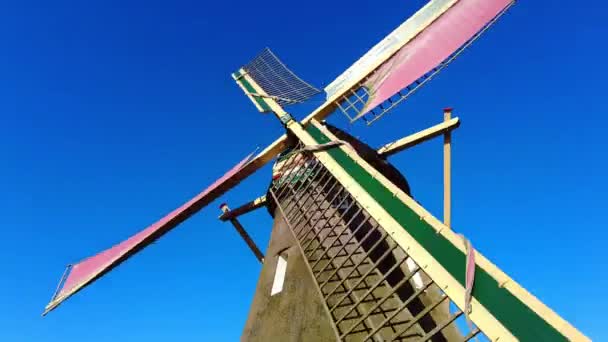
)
(352, 257)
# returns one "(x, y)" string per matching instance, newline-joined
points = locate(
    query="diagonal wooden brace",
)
(244, 209)
(243, 233)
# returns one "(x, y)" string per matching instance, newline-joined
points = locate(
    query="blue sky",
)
(112, 113)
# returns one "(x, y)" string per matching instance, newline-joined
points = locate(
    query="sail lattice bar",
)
(277, 81)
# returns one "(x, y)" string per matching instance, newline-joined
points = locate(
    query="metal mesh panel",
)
(371, 287)
(277, 80)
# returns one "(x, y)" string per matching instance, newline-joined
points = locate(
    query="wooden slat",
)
(244, 235)
(447, 171)
(419, 137)
(244, 209)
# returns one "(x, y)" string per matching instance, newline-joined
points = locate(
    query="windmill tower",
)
(352, 257)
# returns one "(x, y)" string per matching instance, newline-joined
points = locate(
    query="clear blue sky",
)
(112, 113)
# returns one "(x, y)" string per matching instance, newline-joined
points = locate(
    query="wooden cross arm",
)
(419, 137)
(245, 208)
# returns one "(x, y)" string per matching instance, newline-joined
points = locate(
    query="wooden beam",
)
(236, 76)
(244, 209)
(419, 137)
(243, 233)
(261, 159)
(447, 170)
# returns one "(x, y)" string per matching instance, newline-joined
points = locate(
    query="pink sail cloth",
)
(469, 280)
(431, 47)
(86, 271)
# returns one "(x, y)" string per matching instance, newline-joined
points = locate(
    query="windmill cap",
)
(223, 205)
(448, 109)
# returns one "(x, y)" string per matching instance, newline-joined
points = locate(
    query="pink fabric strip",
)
(470, 274)
(431, 47)
(469, 280)
(89, 269)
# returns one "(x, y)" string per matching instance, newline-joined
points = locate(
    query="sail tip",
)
(49, 307)
(54, 302)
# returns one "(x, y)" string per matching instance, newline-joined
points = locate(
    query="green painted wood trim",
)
(259, 100)
(516, 316)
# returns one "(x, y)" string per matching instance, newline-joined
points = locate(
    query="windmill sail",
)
(388, 46)
(83, 273)
(434, 45)
(273, 81)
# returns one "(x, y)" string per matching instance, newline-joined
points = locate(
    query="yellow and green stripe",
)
(259, 100)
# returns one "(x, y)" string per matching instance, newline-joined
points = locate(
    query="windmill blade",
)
(407, 58)
(427, 54)
(83, 273)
